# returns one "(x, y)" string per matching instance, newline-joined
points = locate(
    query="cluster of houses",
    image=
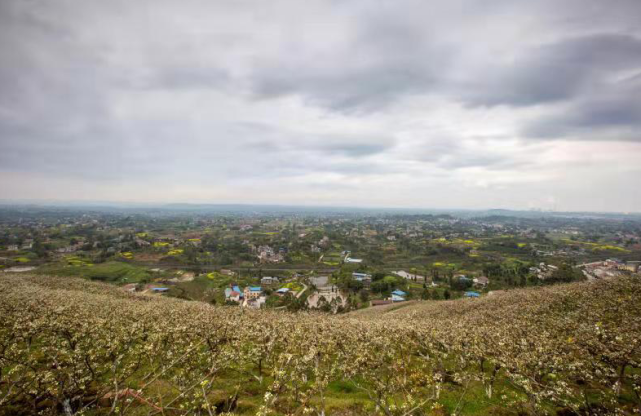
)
(478, 282)
(610, 268)
(561, 252)
(326, 291)
(71, 248)
(400, 296)
(543, 271)
(324, 242)
(249, 297)
(266, 254)
(254, 296)
(26, 245)
(481, 281)
(409, 276)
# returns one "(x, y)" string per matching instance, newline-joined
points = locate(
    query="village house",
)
(69, 249)
(351, 260)
(267, 250)
(267, 254)
(141, 243)
(361, 276)
(398, 296)
(233, 294)
(269, 280)
(481, 281)
(255, 303)
(409, 276)
(252, 292)
(130, 287)
(365, 278)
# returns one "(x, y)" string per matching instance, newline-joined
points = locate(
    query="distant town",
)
(334, 261)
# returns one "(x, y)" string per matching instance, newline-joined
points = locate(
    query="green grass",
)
(201, 288)
(295, 286)
(112, 271)
(22, 260)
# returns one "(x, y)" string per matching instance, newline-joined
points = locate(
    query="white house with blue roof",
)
(398, 296)
(234, 293)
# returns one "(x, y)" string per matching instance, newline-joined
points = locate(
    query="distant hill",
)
(258, 209)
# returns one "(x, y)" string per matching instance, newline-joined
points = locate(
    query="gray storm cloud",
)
(392, 103)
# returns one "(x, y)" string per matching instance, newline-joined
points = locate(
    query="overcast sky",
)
(400, 103)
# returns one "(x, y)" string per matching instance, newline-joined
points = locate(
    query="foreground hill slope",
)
(69, 346)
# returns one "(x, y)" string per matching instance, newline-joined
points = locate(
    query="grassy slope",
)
(341, 396)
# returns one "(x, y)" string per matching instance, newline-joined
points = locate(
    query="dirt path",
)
(298, 295)
(380, 310)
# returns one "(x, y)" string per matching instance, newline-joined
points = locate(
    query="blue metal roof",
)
(160, 289)
(399, 293)
(255, 289)
(472, 294)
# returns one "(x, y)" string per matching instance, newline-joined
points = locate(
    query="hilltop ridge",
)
(71, 343)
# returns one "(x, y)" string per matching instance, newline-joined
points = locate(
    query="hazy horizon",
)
(97, 204)
(405, 104)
